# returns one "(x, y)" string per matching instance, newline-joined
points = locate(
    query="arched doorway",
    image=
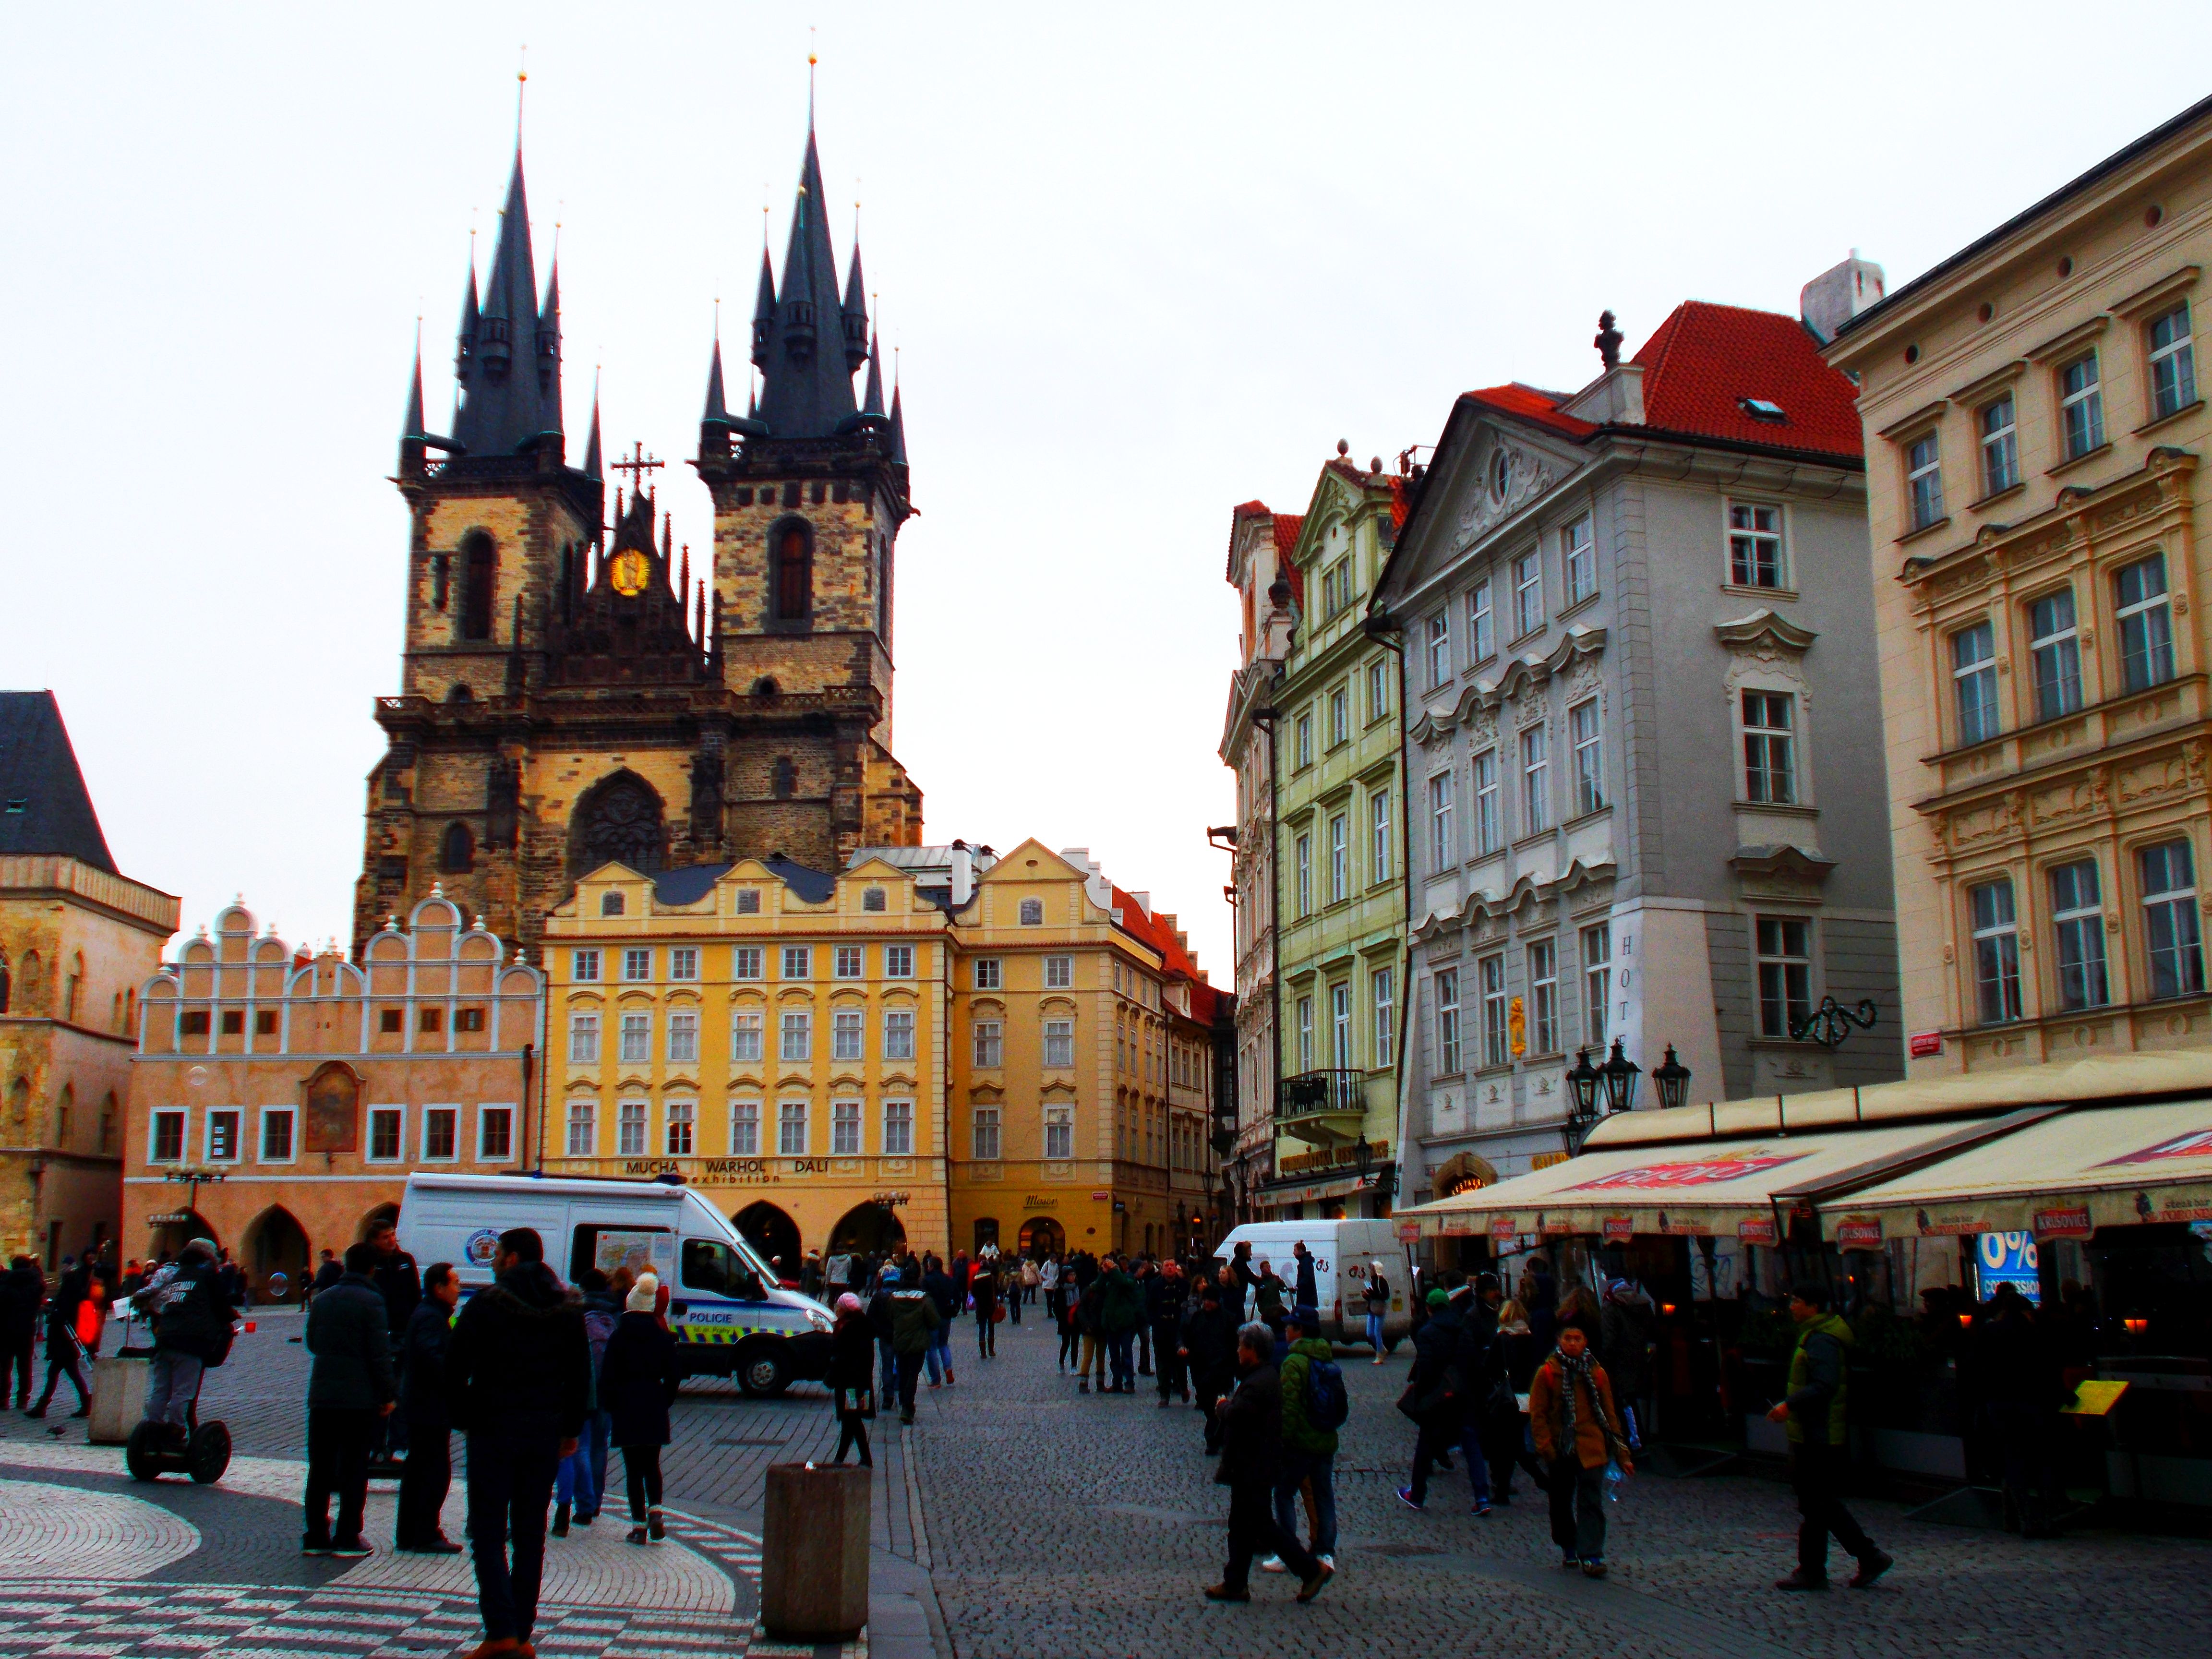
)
(382, 1212)
(986, 1233)
(873, 1227)
(174, 1228)
(773, 1234)
(275, 1243)
(1041, 1237)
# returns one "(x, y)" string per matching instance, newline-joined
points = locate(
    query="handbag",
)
(997, 1313)
(861, 1402)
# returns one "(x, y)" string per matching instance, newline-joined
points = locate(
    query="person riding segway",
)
(193, 1328)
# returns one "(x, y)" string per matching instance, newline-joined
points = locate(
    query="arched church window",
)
(621, 825)
(793, 572)
(476, 588)
(457, 855)
(784, 781)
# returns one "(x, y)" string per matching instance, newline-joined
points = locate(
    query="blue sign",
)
(2009, 1259)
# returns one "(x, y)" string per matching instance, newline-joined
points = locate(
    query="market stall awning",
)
(2063, 1177)
(1725, 1188)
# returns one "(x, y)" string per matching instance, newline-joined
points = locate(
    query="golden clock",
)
(630, 570)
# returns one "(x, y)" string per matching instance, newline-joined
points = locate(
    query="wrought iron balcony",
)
(1322, 1106)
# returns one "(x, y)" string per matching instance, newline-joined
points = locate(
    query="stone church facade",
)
(570, 693)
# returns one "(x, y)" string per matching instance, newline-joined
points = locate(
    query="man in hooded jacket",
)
(518, 1383)
(1814, 1409)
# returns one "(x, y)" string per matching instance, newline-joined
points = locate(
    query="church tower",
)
(567, 699)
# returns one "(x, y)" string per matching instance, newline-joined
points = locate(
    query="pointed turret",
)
(718, 413)
(856, 316)
(465, 342)
(412, 433)
(512, 403)
(898, 428)
(872, 404)
(764, 309)
(592, 445)
(807, 366)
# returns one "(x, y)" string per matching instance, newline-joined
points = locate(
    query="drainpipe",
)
(529, 1059)
(1274, 926)
(1378, 627)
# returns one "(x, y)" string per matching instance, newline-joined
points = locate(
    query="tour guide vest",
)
(1801, 1370)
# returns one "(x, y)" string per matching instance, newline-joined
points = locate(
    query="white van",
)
(724, 1305)
(1342, 1251)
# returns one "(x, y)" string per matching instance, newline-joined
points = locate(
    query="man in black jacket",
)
(518, 1383)
(400, 1284)
(1163, 1299)
(21, 1289)
(1251, 1458)
(429, 1472)
(349, 1388)
(191, 1326)
(1440, 1409)
(1209, 1346)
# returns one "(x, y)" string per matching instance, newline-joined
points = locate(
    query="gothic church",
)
(568, 693)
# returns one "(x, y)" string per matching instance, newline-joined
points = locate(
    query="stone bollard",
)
(118, 1398)
(814, 1552)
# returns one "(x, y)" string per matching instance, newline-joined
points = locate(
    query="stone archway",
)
(174, 1228)
(381, 1213)
(773, 1234)
(872, 1228)
(275, 1243)
(619, 820)
(1041, 1237)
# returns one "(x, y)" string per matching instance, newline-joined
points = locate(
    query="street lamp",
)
(1672, 1080)
(1363, 1156)
(1620, 1074)
(1582, 1080)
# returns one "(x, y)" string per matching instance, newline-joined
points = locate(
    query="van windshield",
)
(751, 1258)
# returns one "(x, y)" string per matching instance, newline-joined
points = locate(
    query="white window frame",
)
(1301, 866)
(1923, 479)
(684, 962)
(398, 1117)
(1578, 557)
(633, 1037)
(794, 1133)
(1340, 857)
(1058, 1131)
(679, 1128)
(798, 963)
(898, 1033)
(1378, 689)
(848, 1034)
(1586, 732)
(1378, 834)
(2077, 930)
(1059, 973)
(1497, 1033)
(2055, 653)
(1481, 635)
(794, 1034)
(583, 1113)
(236, 1116)
(1755, 546)
(1763, 742)
(2171, 362)
(2148, 621)
(748, 1035)
(1996, 940)
(584, 1037)
(487, 1115)
(1446, 980)
(1341, 1051)
(1440, 669)
(749, 901)
(747, 963)
(584, 967)
(845, 1132)
(1031, 912)
(1543, 966)
(1782, 959)
(2172, 911)
(898, 1128)
(990, 973)
(2081, 406)
(1974, 682)
(633, 1128)
(291, 1119)
(683, 1037)
(1302, 741)
(1536, 778)
(636, 965)
(449, 1114)
(1527, 593)
(986, 1130)
(1489, 827)
(898, 961)
(745, 1128)
(1305, 1012)
(990, 1044)
(1598, 982)
(1060, 1044)
(1382, 1004)
(1340, 717)
(848, 962)
(1444, 850)
(1996, 423)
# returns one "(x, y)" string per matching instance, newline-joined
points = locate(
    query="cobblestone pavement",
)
(1067, 1527)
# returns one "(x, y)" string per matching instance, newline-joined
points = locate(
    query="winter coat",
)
(983, 1292)
(1308, 1295)
(400, 1283)
(1548, 1416)
(1820, 1381)
(1435, 1377)
(194, 1310)
(1164, 1296)
(1298, 1433)
(22, 1287)
(1252, 1431)
(352, 1349)
(638, 1380)
(908, 1314)
(1090, 1307)
(423, 1365)
(852, 1355)
(518, 1351)
(1267, 1298)
(1211, 1337)
(1123, 1306)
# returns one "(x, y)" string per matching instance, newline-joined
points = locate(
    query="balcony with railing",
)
(1325, 1107)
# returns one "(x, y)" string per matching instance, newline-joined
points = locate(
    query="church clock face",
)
(630, 570)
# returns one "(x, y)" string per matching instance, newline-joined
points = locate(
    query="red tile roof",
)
(1531, 405)
(1705, 359)
(1174, 959)
(1286, 535)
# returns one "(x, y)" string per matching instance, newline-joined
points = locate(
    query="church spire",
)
(807, 365)
(764, 307)
(510, 405)
(872, 404)
(855, 314)
(718, 412)
(592, 445)
(898, 428)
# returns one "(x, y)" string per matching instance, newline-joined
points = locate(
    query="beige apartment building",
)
(2034, 435)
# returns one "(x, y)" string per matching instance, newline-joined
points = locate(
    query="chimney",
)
(963, 874)
(1837, 295)
(1143, 901)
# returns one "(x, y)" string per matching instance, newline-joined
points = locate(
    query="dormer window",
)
(1760, 409)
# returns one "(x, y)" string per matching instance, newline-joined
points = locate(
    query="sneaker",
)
(1405, 1497)
(1311, 1587)
(314, 1546)
(1480, 1508)
(1222, 1593)
(654, 1529)
(1872, 1566)
(1593, 1568)
(560, 1521)
(635, 1535)
(583, 1520)
(35, 1411)
(1273, 1564)
(440, 1545)
(1081, 1388)
(352, 1548)
(1328, 1561)
(1801, 1580)
(1570, 1562)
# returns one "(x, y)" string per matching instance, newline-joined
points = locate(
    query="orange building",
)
(280, 1097)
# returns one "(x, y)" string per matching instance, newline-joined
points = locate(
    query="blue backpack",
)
(1327, 1405)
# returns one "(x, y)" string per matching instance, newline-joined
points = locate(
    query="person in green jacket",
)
(1308, 1449)
(1120, 1314)
(1815, 1411)
(911, 1315)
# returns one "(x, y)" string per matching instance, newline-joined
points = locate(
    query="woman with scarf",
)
(1577, 1432)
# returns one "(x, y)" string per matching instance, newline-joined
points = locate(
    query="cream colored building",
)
(2034, 431)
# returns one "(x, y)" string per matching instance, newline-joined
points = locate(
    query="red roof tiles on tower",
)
(1707, 360)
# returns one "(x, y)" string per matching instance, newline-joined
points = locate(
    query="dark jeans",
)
(1438, 1435)
(891, 1368)
(642, 1467)
(1253, 1531)
(2029, 1435)
(1174, 1370)
(337, 1461)
(1817, 1474)
(424, 1480)
(853, 1431)
(1070, 1345)
(1577, 1496)
(1014, 1304)
(1144, 1349)
(511, 1470)
(15, 1361)
(986, 1333)
(63, 1362)
(1209, 1391)
(1502, 1451)
(909, 1377)
(1298, 1467)
(1119, 1344)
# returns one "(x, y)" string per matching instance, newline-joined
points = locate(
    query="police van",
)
(729, 1315)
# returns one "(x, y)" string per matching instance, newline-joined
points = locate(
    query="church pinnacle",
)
(508, 362)
(808, 340)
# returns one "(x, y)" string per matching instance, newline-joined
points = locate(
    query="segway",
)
(155, 1449)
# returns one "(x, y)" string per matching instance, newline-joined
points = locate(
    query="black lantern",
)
(1672, 1080)
(1363, 1155)
(1582, 1085)
(1620, 1074)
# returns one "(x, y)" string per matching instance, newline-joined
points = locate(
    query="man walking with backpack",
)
(1315, 1406)
(191, 1330)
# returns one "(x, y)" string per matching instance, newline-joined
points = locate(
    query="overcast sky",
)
(1141, 262)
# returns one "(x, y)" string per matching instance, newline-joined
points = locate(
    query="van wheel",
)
(763, 1373)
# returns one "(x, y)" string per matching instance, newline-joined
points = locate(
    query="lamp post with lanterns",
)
(1594, 1091)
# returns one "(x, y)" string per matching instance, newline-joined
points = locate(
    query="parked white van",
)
(1342, 1252)
(724, 1305)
